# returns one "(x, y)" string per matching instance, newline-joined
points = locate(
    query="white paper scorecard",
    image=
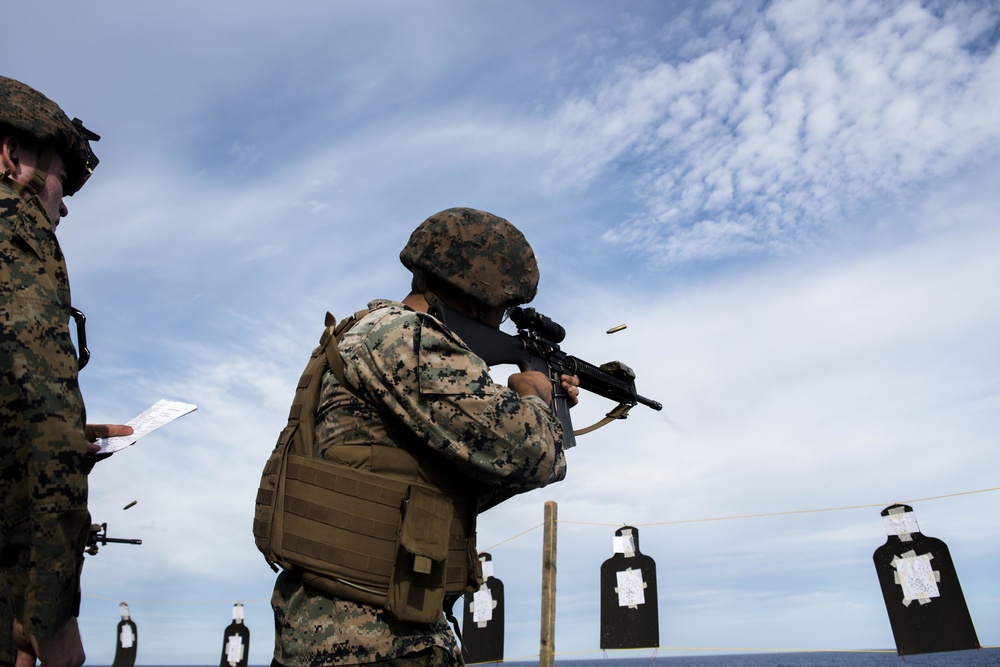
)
(160, 413)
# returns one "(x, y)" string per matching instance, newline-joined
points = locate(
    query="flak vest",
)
(376, 531)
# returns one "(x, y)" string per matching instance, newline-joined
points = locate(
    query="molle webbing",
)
(341, 518)
(347, 521)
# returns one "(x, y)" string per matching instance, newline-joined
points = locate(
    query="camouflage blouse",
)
(44, 521)
(420, 384)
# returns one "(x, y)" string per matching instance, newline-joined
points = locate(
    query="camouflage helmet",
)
(478, 253)
(27, 112)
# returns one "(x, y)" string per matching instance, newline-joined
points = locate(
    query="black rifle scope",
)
(532, 321)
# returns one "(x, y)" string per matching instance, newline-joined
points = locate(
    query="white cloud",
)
(773, 134)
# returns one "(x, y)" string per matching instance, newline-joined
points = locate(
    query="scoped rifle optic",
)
(536, 347)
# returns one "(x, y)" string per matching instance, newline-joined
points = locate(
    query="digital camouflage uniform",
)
(422, 389)
(44, 522)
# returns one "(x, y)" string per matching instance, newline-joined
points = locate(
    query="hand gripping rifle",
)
(536, 347)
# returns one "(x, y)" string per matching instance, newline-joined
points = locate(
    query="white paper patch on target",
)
(630, 588)
(482, 606)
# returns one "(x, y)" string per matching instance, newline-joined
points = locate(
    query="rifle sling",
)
(620, 412)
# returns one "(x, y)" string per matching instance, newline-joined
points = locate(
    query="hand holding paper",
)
(160, 413)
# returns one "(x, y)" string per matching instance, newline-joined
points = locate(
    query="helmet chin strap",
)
(432, 299)
(37, 181)
(475, 311)
(426, 288)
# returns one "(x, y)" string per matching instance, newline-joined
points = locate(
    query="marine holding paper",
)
(44, 442)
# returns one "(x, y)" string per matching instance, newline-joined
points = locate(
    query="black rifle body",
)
(536, 347)
(99, 535)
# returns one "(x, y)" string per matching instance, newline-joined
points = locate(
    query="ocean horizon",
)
(873, 658)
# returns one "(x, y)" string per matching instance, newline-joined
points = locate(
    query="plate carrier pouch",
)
(395, 542)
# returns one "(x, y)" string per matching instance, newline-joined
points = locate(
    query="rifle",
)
(536, 347)
(99, 535)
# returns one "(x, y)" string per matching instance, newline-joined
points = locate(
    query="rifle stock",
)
(536, 347)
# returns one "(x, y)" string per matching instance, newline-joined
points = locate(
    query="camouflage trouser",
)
(435, 656)
(432, 657)
(7, 652)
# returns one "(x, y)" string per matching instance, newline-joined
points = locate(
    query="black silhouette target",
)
(127, 640)
(236, 641)
(482, 623)
(924, 600)
(629, 614)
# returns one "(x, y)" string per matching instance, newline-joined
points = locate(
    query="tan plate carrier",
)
(378, 534)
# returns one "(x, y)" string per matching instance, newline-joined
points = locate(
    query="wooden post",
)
(547, 647)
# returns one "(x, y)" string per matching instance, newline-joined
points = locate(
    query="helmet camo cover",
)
(28, 112)
(478, 253)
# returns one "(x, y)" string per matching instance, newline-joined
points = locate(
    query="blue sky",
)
(792, 205)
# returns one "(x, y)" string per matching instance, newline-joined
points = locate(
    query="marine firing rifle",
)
(99, 535)
(536, 347)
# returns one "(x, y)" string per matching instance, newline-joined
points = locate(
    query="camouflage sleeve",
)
(442, 393)
(43, 454)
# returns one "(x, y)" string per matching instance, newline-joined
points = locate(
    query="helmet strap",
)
(419, 285)
(431, 298)
(37, 181)
(431, 288)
